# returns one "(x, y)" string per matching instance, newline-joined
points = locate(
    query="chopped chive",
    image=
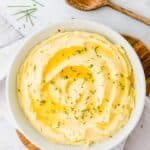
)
(58, 124)
(18, 90)
(98, 72)
(92, 91)
(66, 77)
(91, 142)
(65, 111)
(96, 51)
(89, 75)
(85, 49)
(92, 80)
(82, 84)
(76, 117)
(80, 94)
(42, 102)
(79, 51)
(29, 84)
(58, 30)
(107, 100)
(88, 97)
(91, 66)
(84, 123)
(52, 82)
(72, 109)
(82, 117)
(96, 47)
(74, 79)
(34, 67)
(102, 67)
(72, 69)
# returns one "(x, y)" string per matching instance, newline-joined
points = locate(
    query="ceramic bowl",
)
(18, 116)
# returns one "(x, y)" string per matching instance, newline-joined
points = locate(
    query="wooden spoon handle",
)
(129, 13)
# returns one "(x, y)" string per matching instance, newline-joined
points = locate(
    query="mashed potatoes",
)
(76, 88)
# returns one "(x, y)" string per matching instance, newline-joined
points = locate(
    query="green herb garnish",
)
(91, 66)
(42, 102)
(65, 77)
(18, 90)
(58, 124)
(34, 68)
(52, 82)
(58, 30)
(76, 117)
(29, 84)
(27, 12)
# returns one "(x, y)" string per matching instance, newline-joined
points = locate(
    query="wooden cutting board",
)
(144, 54)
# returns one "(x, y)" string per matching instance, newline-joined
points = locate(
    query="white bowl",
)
(24, 125)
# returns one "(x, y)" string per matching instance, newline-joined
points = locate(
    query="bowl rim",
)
(119, 137)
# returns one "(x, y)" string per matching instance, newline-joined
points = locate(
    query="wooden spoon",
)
(87, 5)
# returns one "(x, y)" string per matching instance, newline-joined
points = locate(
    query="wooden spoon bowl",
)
(87, 5)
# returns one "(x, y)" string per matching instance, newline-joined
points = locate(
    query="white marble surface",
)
(58, 10)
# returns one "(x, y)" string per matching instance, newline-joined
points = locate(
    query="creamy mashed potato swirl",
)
(76, 88)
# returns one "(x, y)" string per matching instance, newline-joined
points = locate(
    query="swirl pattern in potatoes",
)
(76, 88)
